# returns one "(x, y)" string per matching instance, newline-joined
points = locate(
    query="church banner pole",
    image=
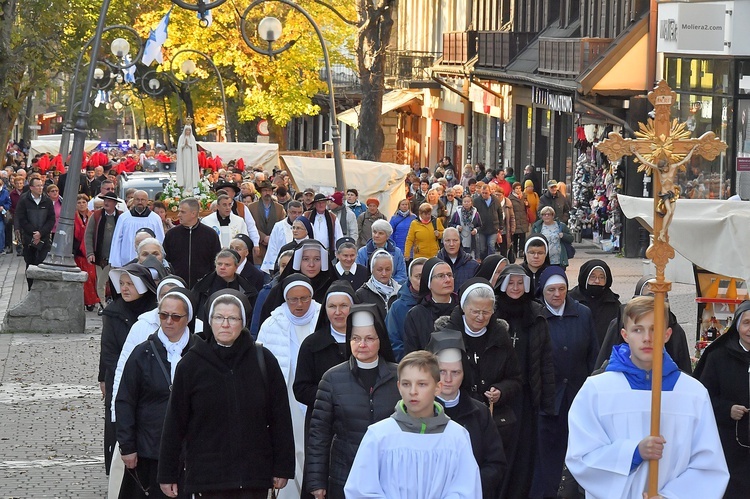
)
(662, 147)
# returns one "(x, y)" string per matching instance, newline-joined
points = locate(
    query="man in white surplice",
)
(123, 238)
(609, 444)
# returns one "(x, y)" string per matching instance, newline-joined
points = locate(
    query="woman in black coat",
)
(351, 396)
(531, 342)
(136, 294)
(492, 375)
(436, 299)
(725, 375)
(228, 414)
(144, 393)
(380, 289)
(574, 350)
(595, 291)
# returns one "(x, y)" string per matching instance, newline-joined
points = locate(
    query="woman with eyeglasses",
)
(436, 298)
(142, 398)
(725, 376)
(491, 372)
(350, 397)
(311, 260)
(228, 416)
(283, 333)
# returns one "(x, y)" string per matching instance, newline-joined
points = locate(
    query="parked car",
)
(151, 182)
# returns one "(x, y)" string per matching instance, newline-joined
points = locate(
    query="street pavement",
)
(51, 411)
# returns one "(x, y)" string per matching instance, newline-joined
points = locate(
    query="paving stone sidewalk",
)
(50, 406)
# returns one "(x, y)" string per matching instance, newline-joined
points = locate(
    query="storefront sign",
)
(743, 164)
(690, 27)
(554, 102)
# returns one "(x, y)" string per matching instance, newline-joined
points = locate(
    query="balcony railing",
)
(405, 66)
(459, 46)
(343, 77)
(569, 57)
(497, 48)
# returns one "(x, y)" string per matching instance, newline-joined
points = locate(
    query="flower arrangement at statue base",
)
(173, 194)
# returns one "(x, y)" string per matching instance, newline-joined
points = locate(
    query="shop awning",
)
(622, 67)
(392, 100)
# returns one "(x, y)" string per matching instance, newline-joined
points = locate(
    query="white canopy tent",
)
(712, 234)
(384, 181)
(52, 145)
(252, 153)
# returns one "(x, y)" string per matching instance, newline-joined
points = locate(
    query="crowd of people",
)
(312, 344)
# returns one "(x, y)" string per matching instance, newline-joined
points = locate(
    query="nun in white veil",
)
(187, 160)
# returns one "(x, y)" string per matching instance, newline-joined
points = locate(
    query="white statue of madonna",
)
(187, 160)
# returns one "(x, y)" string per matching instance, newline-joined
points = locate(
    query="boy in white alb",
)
(609, 444)
(417, 453)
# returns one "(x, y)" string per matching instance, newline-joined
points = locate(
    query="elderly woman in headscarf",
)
(676, 345)
(141, 402)
(136, 294)
(351, 396)
(237, 380)
(311, 260)
(381, 289)
(283, 333)
(492, 375)
(281, 262)
(529, 333)
(595, 291)
(574, 350)
(536, 258)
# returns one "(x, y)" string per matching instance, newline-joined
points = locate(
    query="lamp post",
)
(269, 30)
(188, 67)
(60, 256)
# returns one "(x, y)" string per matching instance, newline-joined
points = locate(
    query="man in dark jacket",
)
(557, 201)
(35, 217)
(191, 246)
(224, 277)
(486, 444)
(463, 265)
(491, 215)
(408, 297)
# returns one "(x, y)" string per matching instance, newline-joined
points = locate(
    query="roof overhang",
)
(392, 100)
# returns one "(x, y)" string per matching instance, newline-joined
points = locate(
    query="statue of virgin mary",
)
(187, 159)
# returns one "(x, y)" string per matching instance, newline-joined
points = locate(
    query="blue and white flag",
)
(205, 17)
(129, 73)
(155, 41)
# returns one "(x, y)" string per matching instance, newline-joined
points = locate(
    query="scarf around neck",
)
(299, 321)
(174, 349)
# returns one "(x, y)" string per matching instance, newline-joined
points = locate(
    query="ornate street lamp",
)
(60, 256)
(269, 30)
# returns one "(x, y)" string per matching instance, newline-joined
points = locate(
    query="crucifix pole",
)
(663, 146)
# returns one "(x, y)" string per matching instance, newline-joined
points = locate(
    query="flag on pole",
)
(206, 17)
(156, 39)
(129, 73)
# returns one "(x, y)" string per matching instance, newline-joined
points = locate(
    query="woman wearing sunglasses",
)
(144, 390)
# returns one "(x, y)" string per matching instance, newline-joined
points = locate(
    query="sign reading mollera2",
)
(689, 27)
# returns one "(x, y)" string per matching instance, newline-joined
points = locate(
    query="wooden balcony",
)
(459, 46)
(497, 48)
(569, 57)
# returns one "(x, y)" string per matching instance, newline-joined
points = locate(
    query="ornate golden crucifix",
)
(663, 146)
